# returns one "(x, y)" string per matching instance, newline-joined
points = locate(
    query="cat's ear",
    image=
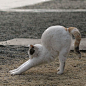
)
(32, 50)
(31, 46)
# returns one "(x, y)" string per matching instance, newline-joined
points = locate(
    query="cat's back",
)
(55, 36)
(54, 29)
(54, 32)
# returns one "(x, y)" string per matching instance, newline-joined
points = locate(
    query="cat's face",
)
(33, 51)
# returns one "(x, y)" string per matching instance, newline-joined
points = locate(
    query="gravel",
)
(32, 25)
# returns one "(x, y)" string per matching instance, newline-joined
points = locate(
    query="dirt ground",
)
(32, 25)
(44, 75)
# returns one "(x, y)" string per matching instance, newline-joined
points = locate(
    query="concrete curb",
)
(44, 10)
(25, 42)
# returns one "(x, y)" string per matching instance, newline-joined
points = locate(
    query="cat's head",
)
(34, 51)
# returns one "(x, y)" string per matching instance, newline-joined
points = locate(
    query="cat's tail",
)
(75, 32)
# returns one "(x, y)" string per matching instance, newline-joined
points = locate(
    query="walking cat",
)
(55, 42)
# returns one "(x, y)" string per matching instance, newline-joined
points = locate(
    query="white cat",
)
(55, 41)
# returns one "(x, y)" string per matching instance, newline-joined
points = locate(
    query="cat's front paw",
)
(13, 72)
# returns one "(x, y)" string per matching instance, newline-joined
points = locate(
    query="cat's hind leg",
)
(62, 59)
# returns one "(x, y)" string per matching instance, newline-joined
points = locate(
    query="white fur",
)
(55, 41)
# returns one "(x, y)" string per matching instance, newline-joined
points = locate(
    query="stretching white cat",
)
(55, 41)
